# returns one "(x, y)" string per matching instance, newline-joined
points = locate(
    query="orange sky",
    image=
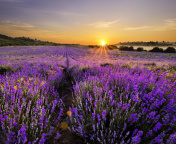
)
(89, 22)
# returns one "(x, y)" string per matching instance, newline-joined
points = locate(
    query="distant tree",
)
(22, 41)
(126, 48)
(140, 49)
(170, 50)
(92, 46)
(123, 48)
(131, 48)
(156, 49)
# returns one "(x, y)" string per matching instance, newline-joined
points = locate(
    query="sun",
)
(102, 43)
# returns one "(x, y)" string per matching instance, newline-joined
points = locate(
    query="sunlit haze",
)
(89, 22)
(102, 43)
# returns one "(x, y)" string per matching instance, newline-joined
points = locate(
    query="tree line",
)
(23, 41)
(140, 49)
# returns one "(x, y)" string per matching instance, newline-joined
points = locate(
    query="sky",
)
(89, 21)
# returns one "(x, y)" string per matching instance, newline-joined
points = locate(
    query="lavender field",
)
(98, 96)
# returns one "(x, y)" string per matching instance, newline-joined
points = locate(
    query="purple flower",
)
(80, 130)
(95, 104)
(136, 139)
(126, 106)
(172, 139)
(140, 133)
(157, 127)
(58, 135)
(98, 116)
(159, 139)
(94, 127)
(22, 130)
(1, 117)
(22, 134)
(6, 117)
(15, 123)
(104, 114)
(51, 130)
(93, 115)
(134, 118)
(151, 115)
(12, 133)
(46, 121)
(150, 133)
(43, 114)
(43, 139)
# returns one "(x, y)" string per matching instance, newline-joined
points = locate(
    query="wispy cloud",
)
(137, 28)
(102, 24)
(17, 25)
(169, 24)
(20, 27)
(66, 13)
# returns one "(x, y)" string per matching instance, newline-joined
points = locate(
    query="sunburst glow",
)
(102, 43)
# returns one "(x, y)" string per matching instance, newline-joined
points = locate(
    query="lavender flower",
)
(157, 127)
(104, 115)
(58, 135)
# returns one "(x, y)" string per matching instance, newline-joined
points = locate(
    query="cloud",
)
(137, 28)
(61, 13)
(17, 25)
(9, 26)
(102, 24)
(69, 13)
(169, 24)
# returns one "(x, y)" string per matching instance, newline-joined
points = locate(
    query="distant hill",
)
(23, 41)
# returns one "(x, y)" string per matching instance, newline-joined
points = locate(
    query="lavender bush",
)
(124, 106)
(27, 110)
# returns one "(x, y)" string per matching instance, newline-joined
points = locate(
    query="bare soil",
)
(67, 137)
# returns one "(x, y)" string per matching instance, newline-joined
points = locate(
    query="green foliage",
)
(150, 64)
(19, 68)
(94, 46)
(156, 49)
(106, 64)
(170, 50)
(160, 69)
(6, 69)
(84, 69)
(23, 41)
(126, 48)
(172, 67)
(126, 66)
(140, 49)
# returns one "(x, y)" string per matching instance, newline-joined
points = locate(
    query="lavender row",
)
(121, 105)
(128, 99)
(28, 103)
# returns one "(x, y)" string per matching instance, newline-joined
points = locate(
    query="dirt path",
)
(66, 91)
